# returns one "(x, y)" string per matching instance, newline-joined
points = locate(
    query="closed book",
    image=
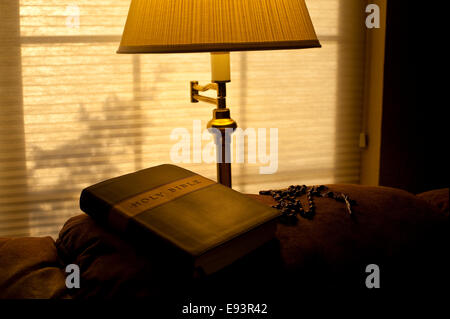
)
(182, 213)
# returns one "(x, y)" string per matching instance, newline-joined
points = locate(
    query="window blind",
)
(74, 113)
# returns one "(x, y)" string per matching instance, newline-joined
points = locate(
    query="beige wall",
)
(373, 99)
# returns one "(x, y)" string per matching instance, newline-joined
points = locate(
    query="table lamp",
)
(217, 26)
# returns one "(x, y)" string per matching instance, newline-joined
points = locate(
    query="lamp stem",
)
(223, 159)
(220, 74)
(222, 124)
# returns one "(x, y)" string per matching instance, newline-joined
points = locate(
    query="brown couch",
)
(406, 235)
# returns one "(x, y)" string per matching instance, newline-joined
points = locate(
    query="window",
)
(74, 113)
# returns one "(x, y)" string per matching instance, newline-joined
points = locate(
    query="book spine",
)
(94, 206)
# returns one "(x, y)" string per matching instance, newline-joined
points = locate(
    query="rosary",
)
(290, 206)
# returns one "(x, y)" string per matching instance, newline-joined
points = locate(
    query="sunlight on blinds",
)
(74, 112)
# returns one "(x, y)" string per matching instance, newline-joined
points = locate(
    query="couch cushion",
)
(30, 268)
(437, 198)
(110, 265)
(392, 228)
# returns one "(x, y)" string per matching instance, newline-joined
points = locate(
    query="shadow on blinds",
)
(73, 112)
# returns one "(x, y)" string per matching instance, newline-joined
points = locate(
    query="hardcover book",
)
(184, 213)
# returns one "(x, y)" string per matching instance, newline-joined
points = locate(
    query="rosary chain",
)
(290, 206)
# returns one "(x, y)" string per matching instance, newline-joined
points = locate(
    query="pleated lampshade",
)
(170, 26)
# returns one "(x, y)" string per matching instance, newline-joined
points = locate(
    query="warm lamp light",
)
(217, 26)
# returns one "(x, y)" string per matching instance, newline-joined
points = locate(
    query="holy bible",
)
(182, 213)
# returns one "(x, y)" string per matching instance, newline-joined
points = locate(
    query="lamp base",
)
(223, 145)
(224, 174)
